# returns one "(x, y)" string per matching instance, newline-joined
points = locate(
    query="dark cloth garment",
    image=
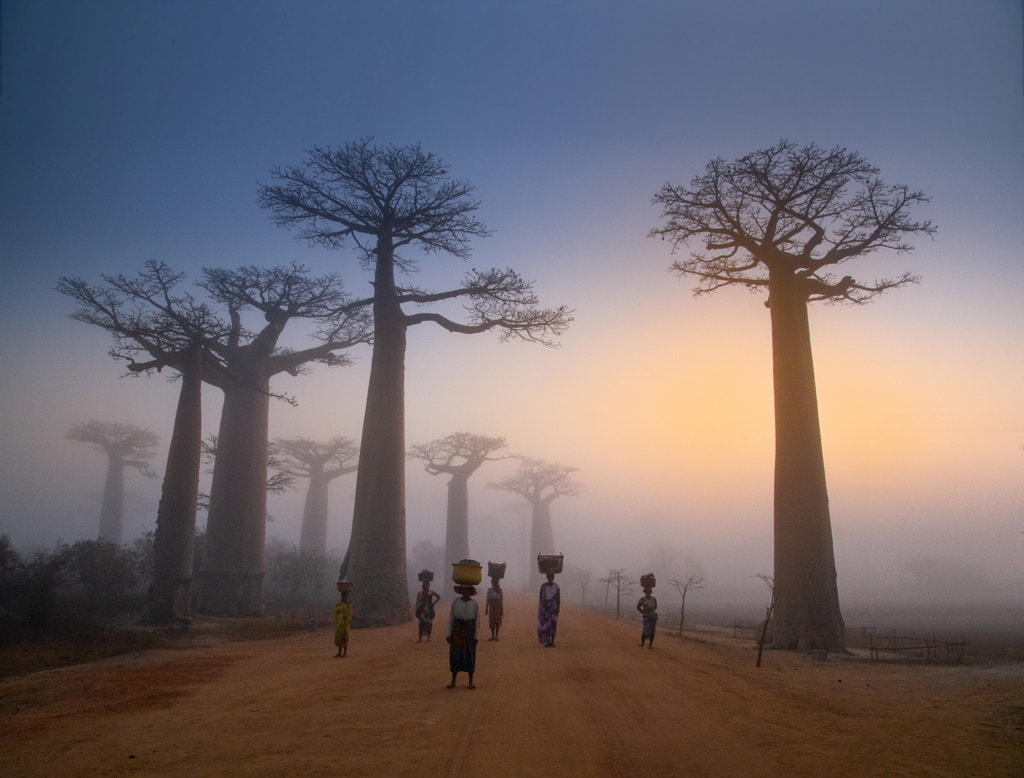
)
(549, 605)
(462, 651)
(650, 622)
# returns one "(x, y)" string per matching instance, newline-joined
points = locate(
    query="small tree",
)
(540, 483)
(618, 581)
(780, 220)
(126, 445)
(459, 455)
(681, 586)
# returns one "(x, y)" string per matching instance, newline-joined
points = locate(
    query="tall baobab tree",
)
(541, 483)
(146, 314)
(459, 455)
(234, 565)
(384, 200)
(780, 220)
(126, 445)
(240, 362)
(320, 463)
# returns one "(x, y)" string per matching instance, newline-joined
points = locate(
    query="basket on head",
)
(549, 563)
(344, 585)
(496, 570)
(467, 572)
(647, 581)
(425, 575)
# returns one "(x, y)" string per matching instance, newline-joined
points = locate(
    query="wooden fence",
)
(928, 649)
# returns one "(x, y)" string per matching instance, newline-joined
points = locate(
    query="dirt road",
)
(596, 705)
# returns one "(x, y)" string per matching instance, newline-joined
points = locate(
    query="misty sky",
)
(140, 130)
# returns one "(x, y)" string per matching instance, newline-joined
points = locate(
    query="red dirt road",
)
(596, 705)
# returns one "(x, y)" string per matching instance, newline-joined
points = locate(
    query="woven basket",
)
(550, 563)
(496, 570)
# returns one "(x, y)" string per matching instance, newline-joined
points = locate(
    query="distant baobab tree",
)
(540, 483)
(126, 445)
(582, 577)
(384, 200)
(780, 220)
(320, 463)
(681, 586)
(459, 455)
(147, 315)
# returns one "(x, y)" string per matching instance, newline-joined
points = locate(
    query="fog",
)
(119, 147)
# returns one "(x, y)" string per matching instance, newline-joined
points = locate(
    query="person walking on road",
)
(547, 612)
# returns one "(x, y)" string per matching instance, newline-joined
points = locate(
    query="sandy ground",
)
(595, 705)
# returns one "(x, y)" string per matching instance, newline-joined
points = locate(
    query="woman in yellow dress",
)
(342, 622)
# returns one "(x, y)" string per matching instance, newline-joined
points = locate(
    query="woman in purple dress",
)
(547, 612)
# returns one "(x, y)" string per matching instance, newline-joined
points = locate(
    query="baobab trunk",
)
(542, 539)
(234, 564)
(456, 539)
(313, 535)
(170, 598)
(112, 510)
(376, 554)
(806, 613)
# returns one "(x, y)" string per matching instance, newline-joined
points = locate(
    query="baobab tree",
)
(319, 463)
(240, 362)
(234, 564)
(126, 445)
(540, 483)
(146, 314)
(683, 587)
(780, 220)
(384, 200)
(459, 455)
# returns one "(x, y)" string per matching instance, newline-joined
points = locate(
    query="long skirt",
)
(494, 613)
(650, 622)
(425, 628)
(462, 651)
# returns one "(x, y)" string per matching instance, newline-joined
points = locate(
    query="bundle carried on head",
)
(467, 572)
(495, 569)
(549, 563)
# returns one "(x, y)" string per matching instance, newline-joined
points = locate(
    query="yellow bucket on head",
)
(467, 572)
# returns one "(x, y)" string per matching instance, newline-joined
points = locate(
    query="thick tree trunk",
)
(806, 613)
(313, 535)
(456, 538)
(170, 599)
(542, 539)
(112, 510)
(234, 566)
(376, 561)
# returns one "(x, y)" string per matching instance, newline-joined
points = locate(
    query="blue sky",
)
(140, 130)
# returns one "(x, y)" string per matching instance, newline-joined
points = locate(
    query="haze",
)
(139, 130)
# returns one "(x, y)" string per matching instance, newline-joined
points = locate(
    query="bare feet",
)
(471, 686)
(450, 686)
